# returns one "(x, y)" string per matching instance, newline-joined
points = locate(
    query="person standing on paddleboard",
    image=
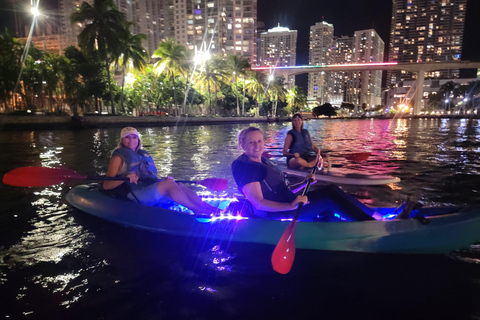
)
(298, 147)
(130, 161)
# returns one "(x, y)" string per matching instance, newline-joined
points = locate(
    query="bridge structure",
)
(418, 68)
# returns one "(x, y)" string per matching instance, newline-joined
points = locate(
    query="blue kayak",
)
(441, 229)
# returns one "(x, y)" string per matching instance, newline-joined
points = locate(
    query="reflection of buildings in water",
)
(400, 133)
(404, 92)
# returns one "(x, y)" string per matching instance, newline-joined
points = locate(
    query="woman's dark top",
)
(302, 144)
(272, 181)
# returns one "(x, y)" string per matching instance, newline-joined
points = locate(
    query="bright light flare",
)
(35, 11)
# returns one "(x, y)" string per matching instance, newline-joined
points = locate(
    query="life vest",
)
(272, 180)
(140, 163)
(301, 142)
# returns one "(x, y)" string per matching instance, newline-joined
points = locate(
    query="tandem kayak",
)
(444, 229)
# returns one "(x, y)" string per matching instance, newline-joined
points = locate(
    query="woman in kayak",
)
(265, 188)
(301, 152)
(130, 161)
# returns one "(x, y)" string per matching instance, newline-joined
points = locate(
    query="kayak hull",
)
(448, 229)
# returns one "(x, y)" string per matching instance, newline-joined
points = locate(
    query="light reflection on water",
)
(56, 248)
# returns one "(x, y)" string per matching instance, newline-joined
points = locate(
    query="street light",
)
(35, 11)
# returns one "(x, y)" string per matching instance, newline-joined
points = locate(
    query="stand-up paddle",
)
(284, 253)
(42, 177)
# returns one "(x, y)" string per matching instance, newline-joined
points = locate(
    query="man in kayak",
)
(268, 196)
(130, 161)
(301, 152)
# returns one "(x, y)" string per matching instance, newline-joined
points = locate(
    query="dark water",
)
(59, 263)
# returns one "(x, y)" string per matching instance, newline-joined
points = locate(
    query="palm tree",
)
(133, 54)
(296, 99)
(277, 92)
(10, 61)
(256, 89)
(173, 57)
(238, 66)
(215, 73)
(103, 31)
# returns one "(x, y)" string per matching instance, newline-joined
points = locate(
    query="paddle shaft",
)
(284, 253)
(127, 179)
(300, 205)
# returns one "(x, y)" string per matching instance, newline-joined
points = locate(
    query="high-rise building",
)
(368, 48)
(260, 29)
(343, 86)
(426, 31)
(278, 47)
(68, 31)
(224, 26)
(320, 53)
(148, 17)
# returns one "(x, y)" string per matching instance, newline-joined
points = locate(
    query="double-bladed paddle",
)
(284, 253)
(42, 177)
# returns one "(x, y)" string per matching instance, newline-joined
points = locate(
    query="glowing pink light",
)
(331, 65)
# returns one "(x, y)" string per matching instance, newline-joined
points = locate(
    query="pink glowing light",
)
(373, 64)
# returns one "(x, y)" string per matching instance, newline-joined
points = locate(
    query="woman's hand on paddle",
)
(310, 177)
(298, 199)
(133, 178)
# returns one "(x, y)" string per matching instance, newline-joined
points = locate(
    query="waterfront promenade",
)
(39, 122)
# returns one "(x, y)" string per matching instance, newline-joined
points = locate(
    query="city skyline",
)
(347, 16)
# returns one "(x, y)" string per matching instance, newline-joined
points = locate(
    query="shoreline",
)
(43, 122)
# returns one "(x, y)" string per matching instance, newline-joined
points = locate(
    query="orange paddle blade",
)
(39, 176)
(284, 253)
(360, 156)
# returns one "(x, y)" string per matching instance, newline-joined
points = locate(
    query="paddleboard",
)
(335, 177)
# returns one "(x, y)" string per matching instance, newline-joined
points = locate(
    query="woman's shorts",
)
(306, 157)
(148, 196)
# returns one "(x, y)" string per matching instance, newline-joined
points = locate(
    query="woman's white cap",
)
(129, 130)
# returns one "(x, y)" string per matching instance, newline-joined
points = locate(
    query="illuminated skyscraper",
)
(278, 47)
(320, 53)
(224, 26)
(368, 48)
(426, 31)
(343, 86)
(69, 32)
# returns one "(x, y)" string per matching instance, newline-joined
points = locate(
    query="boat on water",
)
(442, 230)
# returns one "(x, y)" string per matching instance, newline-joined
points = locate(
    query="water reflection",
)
(51, 248)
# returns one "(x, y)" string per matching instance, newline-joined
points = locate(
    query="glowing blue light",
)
(336, 215)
